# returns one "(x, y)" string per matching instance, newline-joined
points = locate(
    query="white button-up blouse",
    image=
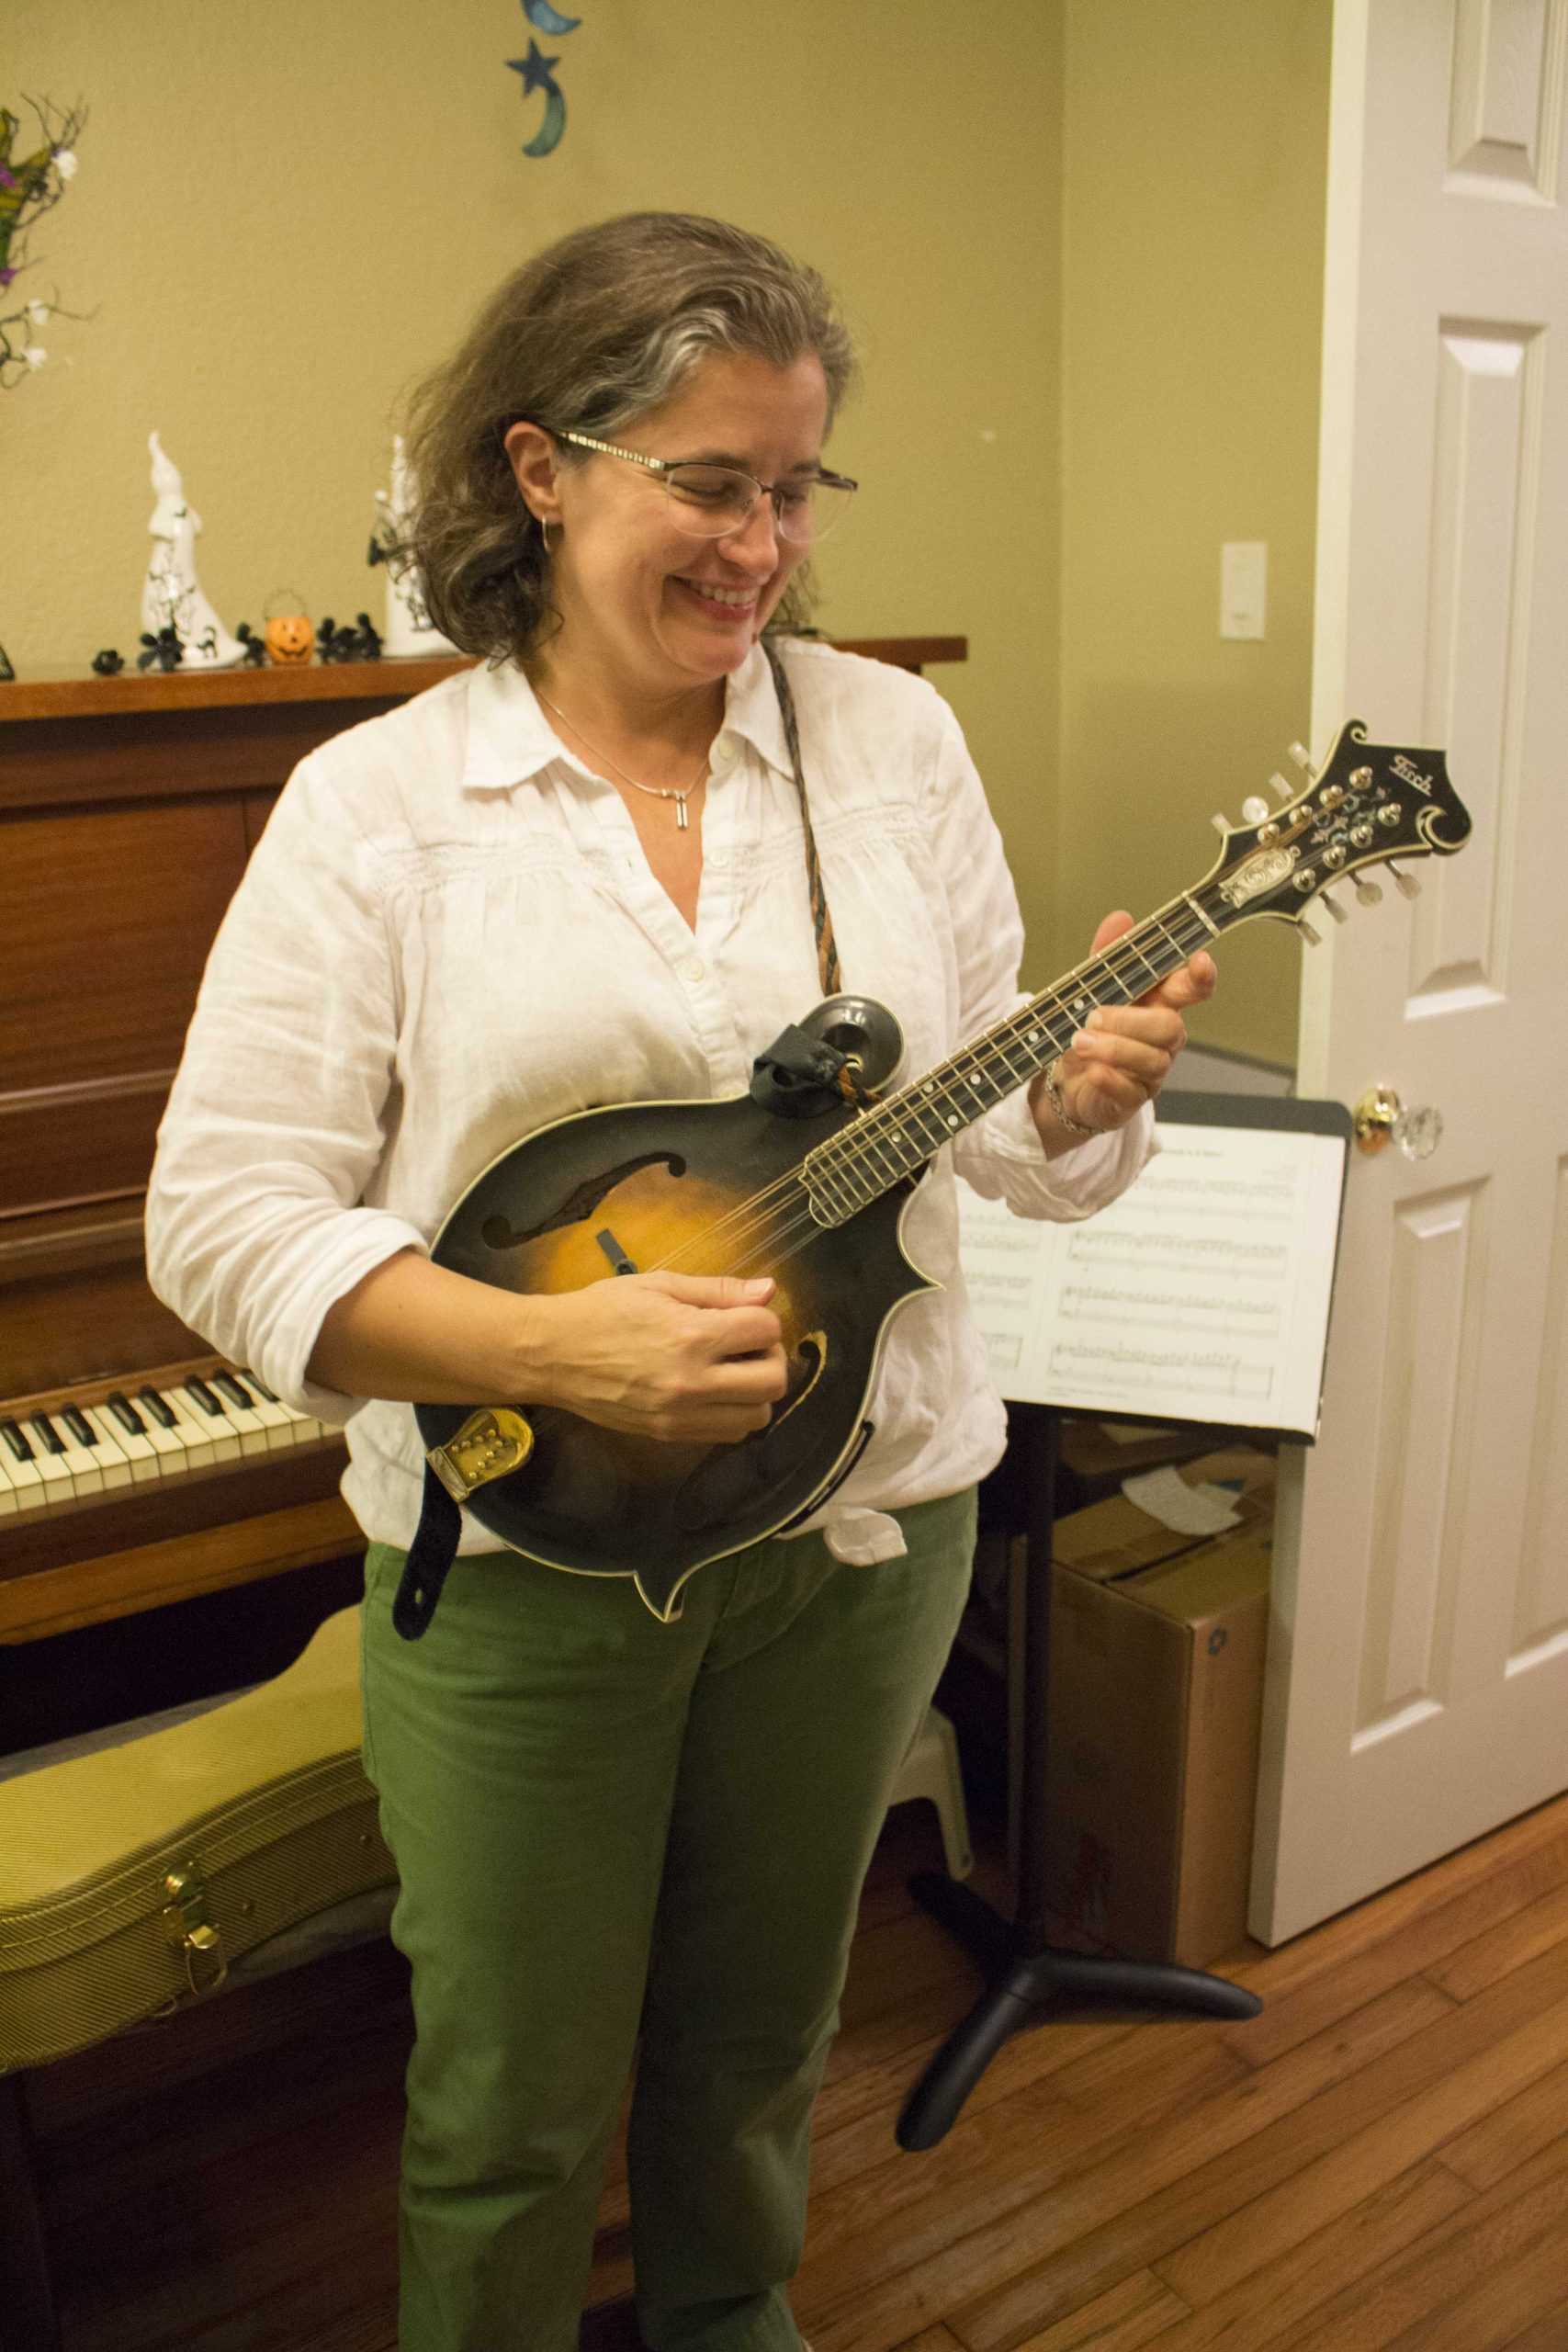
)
(448, 935)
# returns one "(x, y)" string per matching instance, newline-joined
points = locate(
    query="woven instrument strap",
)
(435, 1545)
(821, 920)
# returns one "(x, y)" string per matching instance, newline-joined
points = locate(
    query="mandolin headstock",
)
(1373, 803)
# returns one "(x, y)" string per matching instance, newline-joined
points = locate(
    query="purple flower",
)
(7, 276)
(7, 179)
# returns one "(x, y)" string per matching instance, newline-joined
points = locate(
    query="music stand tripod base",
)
(1023, 1983)
(1026, 1973)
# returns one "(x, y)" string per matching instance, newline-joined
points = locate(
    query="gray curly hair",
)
(593, 331)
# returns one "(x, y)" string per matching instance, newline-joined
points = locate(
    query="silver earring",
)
(545, 534)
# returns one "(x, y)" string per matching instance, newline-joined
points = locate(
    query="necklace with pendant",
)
(676, 793)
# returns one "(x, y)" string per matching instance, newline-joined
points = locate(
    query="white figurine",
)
(409, 627)
(172, 592)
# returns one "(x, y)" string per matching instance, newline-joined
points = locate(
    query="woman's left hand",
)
(1123, 1054)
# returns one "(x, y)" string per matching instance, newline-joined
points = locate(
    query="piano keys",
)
(134, 1493)
(67, 1450)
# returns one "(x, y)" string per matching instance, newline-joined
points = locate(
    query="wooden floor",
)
(1379, 2160)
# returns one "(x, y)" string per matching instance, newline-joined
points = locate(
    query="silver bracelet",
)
(1064, 1117)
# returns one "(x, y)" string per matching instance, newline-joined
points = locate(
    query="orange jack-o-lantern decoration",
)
(290, 638)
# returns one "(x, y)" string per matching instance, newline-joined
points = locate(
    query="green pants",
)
(607, 1828)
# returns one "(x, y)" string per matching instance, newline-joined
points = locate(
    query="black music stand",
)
(1027, 1973)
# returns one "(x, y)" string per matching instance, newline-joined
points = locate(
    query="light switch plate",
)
(1244, 587)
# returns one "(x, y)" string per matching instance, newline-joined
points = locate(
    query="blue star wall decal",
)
(537, 70)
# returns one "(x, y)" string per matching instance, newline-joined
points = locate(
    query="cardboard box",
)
(1157, 1643)
(1112, 1537)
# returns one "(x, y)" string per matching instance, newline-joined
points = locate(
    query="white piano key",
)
(54, 1466)
(8, 1503)
(106, 1456)
(218, 1422)
(197, 1440)
(27, 1479)
(86, 1477)
(253, 1431)
(304, 1425)
(114, 1449)
(282, 1427)
(167, 1441)
(137, 1445)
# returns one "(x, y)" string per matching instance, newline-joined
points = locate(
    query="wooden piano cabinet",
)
(129, 807)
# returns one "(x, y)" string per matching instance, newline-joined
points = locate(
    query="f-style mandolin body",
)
(701, 1188)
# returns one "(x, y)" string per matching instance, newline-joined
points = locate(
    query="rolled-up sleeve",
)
(278, 1119)
(1000, 1156)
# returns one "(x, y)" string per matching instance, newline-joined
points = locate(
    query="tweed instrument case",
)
(134, 1878)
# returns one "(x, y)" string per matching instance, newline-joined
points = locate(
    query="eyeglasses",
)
(710, 501)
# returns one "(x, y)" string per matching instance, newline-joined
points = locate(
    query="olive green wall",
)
(1194, 189)
(1102, 216)
(281, 219)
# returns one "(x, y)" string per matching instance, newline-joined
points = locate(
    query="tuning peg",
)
(1303, 758)
(1312, 938)
(1221, 824)
(1404, 885)
(1277, 784)
(1368, 892)
(1255, 809)
(1334, 908)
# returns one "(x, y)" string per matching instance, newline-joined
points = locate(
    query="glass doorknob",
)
(1380, 1118)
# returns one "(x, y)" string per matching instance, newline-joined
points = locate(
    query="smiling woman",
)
(597, 870)
(599, 331)
(652, 600)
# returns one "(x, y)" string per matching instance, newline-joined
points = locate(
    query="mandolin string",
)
(841, 1159)
(786, 1240)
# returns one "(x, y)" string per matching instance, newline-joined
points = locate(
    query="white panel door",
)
(1418, 1672)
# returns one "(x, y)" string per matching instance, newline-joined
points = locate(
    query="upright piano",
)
(167, 1529)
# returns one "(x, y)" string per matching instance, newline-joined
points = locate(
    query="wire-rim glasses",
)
(710, 501)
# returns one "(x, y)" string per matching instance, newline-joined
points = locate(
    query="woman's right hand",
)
(693, 1359)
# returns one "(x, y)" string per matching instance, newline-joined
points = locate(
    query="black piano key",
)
(126, 1414)
(17, 1439)
(79, 1426)
(234, 1388)
(261, 1387)
(204, 1397)
(156, 1406)
(53, 1442)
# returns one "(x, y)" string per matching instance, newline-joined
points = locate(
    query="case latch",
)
(188, 1926)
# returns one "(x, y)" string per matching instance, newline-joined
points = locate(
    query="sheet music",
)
(1202, 1295)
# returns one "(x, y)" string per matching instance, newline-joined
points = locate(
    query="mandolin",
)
(816, 1201)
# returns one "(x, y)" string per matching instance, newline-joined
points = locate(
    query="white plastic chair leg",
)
(931, 1770)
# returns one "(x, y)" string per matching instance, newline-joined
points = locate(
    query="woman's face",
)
(659, 609)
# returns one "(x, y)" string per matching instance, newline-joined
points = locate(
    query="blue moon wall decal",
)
(548, 133)
(548, 19)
